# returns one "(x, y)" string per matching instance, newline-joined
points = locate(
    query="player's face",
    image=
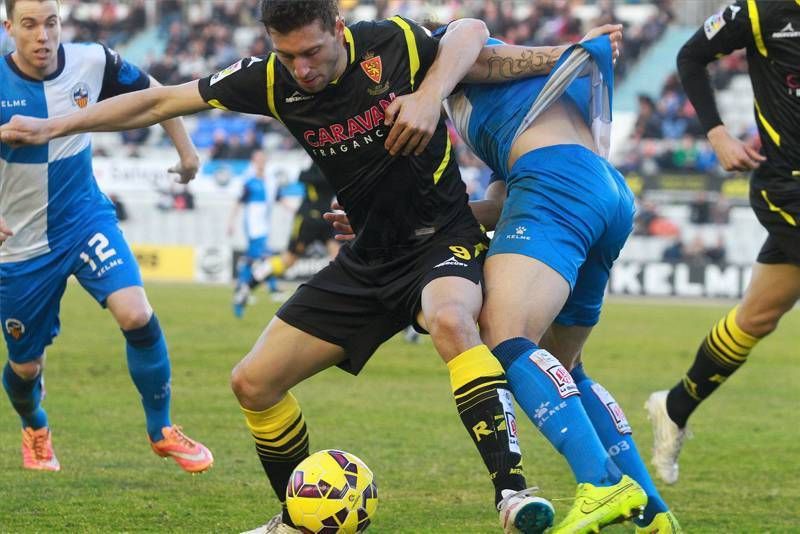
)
(259, 161)
(36, 30)
(314, 56)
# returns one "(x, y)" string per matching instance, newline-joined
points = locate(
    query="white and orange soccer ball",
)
(332, 492)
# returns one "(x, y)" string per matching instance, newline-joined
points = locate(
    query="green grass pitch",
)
(741, 472)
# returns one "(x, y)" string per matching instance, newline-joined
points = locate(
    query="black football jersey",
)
(318, 194)
(770, 32)
(393, 203)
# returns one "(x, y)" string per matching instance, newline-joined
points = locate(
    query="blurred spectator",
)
(119, 207)
(700, 209)
(132, 139)
(695, 253)
(648, 122)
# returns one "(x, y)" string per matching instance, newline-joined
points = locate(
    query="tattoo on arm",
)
(528, 63)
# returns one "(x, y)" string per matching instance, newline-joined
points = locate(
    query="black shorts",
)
(307, 228)
(358, 305)
(779, 213)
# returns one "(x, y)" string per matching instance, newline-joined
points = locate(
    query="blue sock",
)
(548, 395)
(148, 364)
(611, 425)
(272, 284)
(245, 273)
(25, 397)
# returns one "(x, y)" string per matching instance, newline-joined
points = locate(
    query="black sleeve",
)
(426, 44)
(239, 87)
(120, 77)
(721, 34)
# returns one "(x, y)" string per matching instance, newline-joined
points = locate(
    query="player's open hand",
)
(614, 32)
(733, 155)
(22, 130)
(341, 224)
(186, 169)
(5, 231)
(413, 119)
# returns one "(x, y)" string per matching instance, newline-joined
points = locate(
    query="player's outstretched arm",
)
(123, 112)
(502, 62)
(414, 117)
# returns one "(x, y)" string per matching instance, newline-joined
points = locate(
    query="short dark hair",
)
(284, 16)
(10, 7)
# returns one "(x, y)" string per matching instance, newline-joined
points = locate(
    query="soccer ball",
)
(331, 492)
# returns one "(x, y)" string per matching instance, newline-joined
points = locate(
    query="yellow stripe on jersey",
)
(443, 165)
(772, 207)
(271, 87)
(348, 37)
(773, 133)
(755, 23)
(217, 104)
(411, 42)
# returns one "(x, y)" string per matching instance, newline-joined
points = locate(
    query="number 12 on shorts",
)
(101, 251)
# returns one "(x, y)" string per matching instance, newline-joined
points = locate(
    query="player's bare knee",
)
(134, 317)
(27, 370)
(450, 322)
(252, 394)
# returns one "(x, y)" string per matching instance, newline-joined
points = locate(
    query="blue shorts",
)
(573, 211)
(257, 248)
(31, 290)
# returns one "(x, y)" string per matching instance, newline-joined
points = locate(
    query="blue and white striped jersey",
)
(48, 192)
(490, 117)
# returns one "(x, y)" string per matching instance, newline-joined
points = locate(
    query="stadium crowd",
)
(667, 137)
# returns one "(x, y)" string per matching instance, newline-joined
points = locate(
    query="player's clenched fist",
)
(614, 32)
(413, 119)
(22, 130)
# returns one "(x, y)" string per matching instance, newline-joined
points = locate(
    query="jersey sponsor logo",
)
(80, 95)
(15, 328)
(372, 67)
(14, 103)
(613, 408)
(556, 372)
(786, 32)
(227, 71)
(297, 97)
(353, 133)
(451, 261)
(713, 25)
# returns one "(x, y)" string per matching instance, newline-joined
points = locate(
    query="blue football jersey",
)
(48, 192)
(490, 117)
(257, 198)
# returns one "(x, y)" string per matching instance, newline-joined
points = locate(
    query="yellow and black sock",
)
(486, 408)
(281, 441)
(723, 351)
